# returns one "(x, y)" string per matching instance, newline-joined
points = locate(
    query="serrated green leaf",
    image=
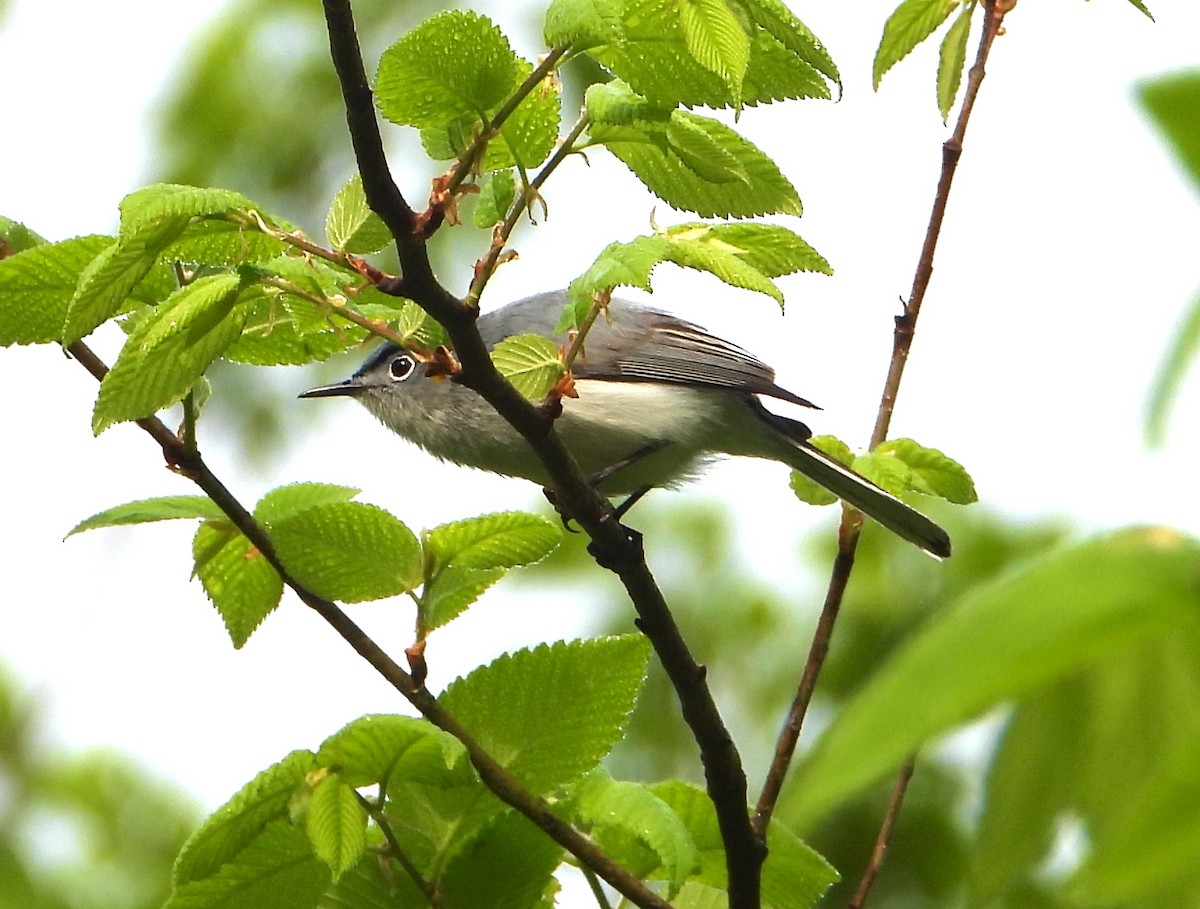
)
(111, 276)
(144, 511)
(1141, 7)
(277, 868)
(582, 24)
(283, 502)
(716, 40)
(143, 208)
(508, 865)
(238, 579)
(213, 241)
(909, 24)
(794, 876)
(18, 237)
(933, 473)
(336, 824)
(348, 551)
(637, 828)
(1075, 608)
(706, 256)
(282, 329)
(952, 57)
(502, 540)
(496, 194)
(619, 265)
(235, 825)
(703, 155)
(351, 226)
(367, 751)
(644, 147)
(888, 473)
(587, 687)
(532, 363)
(528, 135)
(450, 592)
(169, 350)
(782, 25)
(453, 64)
(37, 285)
(769, 248)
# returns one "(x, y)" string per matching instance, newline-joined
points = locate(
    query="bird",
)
(658, 398)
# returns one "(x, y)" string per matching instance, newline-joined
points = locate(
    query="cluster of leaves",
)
(318, 827)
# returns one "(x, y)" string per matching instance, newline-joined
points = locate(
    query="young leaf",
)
(348, 551)
(619, 265)
(277, 868)
(932, 472)
(144, 511)
(1073, 609)
(37, 286)
(336, 824)
(351, 226)
(782, 25)
(714, 258)
(952, 57)
(496, 193)
(717, 41)
(508, 865)
(18, 237)
(237, 578)
(548, 715)
(234, 826)
(450, 592)
(770, 249)
(169, 350)
(885, 471)
(583, 24)
(143, 208)
(808, 491)
(283, 502)
(112, 275)
(531, 362)
(528, 135)
(629, 820)
(911, 23)
(452, 65)
(367, 751)
(502, 540)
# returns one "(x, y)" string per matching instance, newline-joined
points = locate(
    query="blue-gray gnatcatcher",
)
(658, 397)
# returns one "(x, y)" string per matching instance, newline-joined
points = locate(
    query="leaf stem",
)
(396, 851)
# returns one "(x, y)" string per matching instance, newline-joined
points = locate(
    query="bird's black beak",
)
(337, 389)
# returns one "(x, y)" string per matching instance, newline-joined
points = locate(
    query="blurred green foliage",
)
(80, 831)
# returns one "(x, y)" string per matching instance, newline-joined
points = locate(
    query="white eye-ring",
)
(401, 367)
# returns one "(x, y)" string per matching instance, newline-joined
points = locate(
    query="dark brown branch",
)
(613, 546)
(885, 836)
(848, 533)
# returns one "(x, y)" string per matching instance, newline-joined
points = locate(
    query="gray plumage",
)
(646, 380)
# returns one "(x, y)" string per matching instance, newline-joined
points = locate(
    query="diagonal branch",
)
(613, 546)
(851, 525)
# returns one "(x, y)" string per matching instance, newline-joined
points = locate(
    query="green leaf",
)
(367, 751)
(502, 540)
(637, 828)
(169, 350)
(770, 249)
(450, 592)
(348, 551)
(1171, 372)
(144, 208)
(336, 824)
(782, 25)
(496, 194)
(111, 276)
(716, 40)
(932, 472)
(36, 287)
(283, 502)
(531, 362)
(549, 714)
(508, 865)
(704, 255)
(1073, 609)
(451, 65)
(583, 23)
(18, 237)
(952, 57)
(1141, 6)
(351, 226)
(528, 135)
(620, 265)
(794, 876)
(235, 825)
(241, 583)
(144, 511)
(645, 147)
(277, 868)
(911, 23)
(886, 472)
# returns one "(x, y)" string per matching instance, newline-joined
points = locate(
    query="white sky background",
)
(1067, 259)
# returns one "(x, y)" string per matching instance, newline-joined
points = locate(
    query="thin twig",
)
(395, 850)
(613, 546)
(851, 523)
(884, 839)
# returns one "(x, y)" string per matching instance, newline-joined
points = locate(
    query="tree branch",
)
(851, 523)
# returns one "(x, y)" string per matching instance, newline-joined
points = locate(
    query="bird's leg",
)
(608, 473)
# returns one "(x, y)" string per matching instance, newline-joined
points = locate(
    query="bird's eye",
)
(402, 367)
